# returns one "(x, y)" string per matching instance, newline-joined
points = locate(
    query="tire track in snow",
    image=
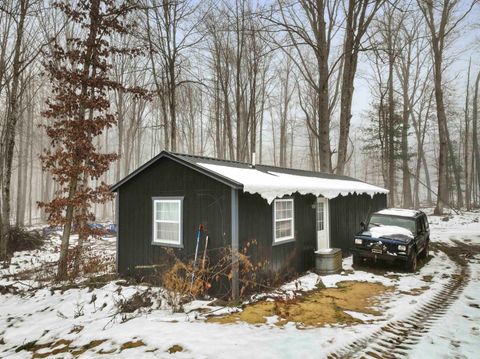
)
(396, 338)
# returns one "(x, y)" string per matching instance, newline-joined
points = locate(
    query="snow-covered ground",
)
(89, 317)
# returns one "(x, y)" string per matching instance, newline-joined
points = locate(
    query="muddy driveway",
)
(396, 338)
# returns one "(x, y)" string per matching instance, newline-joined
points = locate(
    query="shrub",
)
(21, 239)
(89, 263)
(135, 302)
(184, 279)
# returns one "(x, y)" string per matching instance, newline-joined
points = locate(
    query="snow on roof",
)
(386, 231)
(272, 184)
(399, 212)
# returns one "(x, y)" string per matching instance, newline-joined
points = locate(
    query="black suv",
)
(393, 234)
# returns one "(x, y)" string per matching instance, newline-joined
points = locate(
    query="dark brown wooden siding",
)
(206, 201)
(346, 213)
(256, 226)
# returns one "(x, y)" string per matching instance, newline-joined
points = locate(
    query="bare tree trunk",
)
(63, 259)
(81, 235)
(172, 100)
(30, 175)
(286, 95)
(427, 179)
(476, 151)
(23, 161)
(19, 217)
(456, 169)
(466, 163)
(8, 142)
(120, 126)
(391, 130)
(442, 193)
(324, 147)
(406, 185)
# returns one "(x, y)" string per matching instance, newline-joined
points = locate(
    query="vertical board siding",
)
(205, 201)
(256, 233)
(346, 213)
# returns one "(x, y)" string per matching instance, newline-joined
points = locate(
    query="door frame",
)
(326, 220)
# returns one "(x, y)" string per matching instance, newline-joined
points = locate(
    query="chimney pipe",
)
(253, 159)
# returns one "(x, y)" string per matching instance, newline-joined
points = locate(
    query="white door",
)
(323, 233)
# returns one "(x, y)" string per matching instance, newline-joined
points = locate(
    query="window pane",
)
(320, 216)
(320, 225)
(167, 211)
(168, 232)
(283, 229)
(283, 209)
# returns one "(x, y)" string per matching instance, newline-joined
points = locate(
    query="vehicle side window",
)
(420, 225)
(425, 220)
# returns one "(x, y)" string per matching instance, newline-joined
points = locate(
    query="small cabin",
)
(282, 215)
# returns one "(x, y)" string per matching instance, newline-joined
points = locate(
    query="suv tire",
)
(357, 260)
(426, 251)
(411, 263)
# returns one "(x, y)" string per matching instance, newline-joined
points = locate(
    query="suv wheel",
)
(411, 263)
(426, 251)
(357, 260)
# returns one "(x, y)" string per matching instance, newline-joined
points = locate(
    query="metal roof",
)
(193, 161)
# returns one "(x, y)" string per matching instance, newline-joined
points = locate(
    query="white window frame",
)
(292, 220)
(179, 242)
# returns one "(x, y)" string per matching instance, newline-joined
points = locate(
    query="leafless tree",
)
(309, 28)
(20, 11)
(359, 15)
(169, 30)
(442, 18)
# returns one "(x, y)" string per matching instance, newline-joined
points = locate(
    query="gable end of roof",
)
(178, 159)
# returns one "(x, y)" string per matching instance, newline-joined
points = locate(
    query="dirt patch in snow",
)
(132, 344)
(58, 347)
(175, 349)
(415, 291)
(316, 308)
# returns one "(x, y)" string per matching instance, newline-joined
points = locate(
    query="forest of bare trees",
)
(385, 91)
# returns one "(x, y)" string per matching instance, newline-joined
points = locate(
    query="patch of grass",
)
(175, 349)
(101, 351)
(416, 291)
(320, 285)
(226, 303)
(57, 347)
(27, 346)
(60, 346)
(316, 308)
(131, 345)
(88, 346)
